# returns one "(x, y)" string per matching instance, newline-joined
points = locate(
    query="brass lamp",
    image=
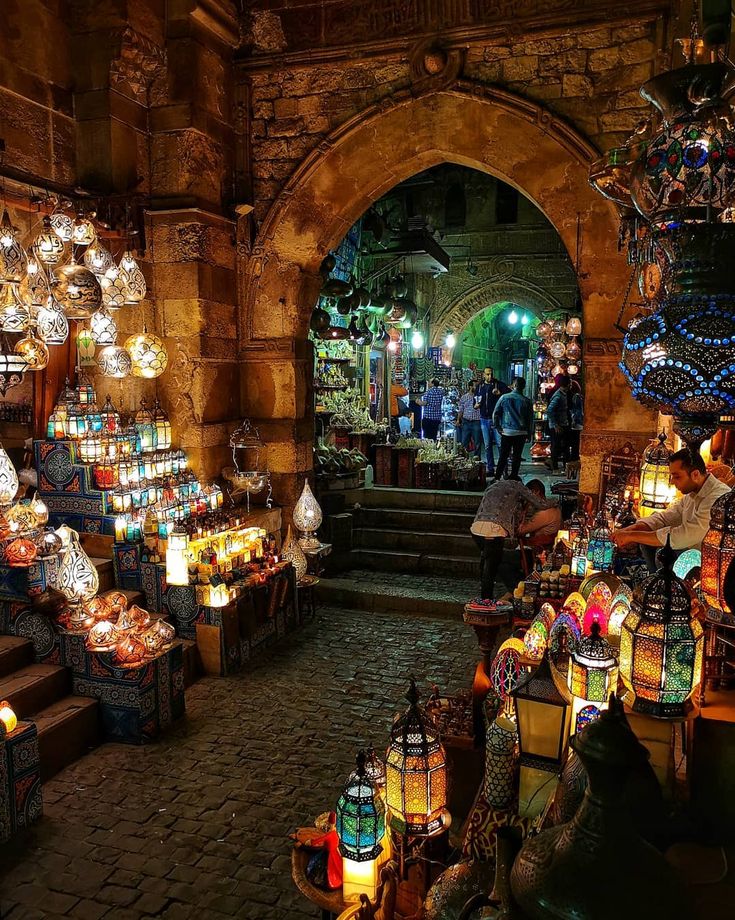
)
(656, 489)
(307, 516)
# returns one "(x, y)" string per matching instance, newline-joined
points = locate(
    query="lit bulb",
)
(512, 317)
(417, 340)
(524, 320)
(451, 340)
(392, 346)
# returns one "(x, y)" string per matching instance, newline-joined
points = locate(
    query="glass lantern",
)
(76, 421)
(90, 448)
(661, 645)
(250, 473)
(718, 552)
(593, 674)
(600, 548)
(147, 354)
(307, 516)
(8, 479)
(146, 428)
(110, 417)
(543, 717)
(177, 557)
(655, 488)
(102, 637)
(163, 426)
(361, 827)
(619, 610)
(579, 555)
(77, 578)
(416, 773)
(292, 552)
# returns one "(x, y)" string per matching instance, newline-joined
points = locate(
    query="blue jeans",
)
(471, 429)
(491, 437)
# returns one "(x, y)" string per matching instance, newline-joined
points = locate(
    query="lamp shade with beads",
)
(718, 552)
(656, 491)
(661, 645)
(416, 772)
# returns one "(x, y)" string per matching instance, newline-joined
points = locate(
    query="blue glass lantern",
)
(600, 547)
(360, 816)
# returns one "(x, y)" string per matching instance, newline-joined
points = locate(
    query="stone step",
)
(105, 572)
(391, 560)
(419, 499)
(67, 729)
(34, 687)
(15, 653)
(413, 519)
(454, 544)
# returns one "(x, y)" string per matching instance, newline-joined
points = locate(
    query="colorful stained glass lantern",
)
(564, 637)
(688, 564)
(361, 827)
(543, 715)
(575, 605)
(90, 448)
(656, 490)
(594, 615)
(8, 479)
(416, 773)
(661, 645)
(76, 421)
(619, 610)
(20, 553)
(535, 640)
(579, 555)
(163, 427)
(307, 516)
(506, 670)
(146, 428)
(593, 674)
(718, 552)
(110, 417)
(600, 548)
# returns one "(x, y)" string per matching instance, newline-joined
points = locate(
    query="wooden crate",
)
(405, 466)
(385, 465)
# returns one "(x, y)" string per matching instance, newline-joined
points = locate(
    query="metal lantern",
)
(103, 327)
(250, 474)
(114, 361)
(656, 489)
(132, 277)
(593, 674)
(14, 315)
(360, 816)
(543, 716)
(83, 231)
(34, 289)
(163, 426)
(307, 516)
(77, 290)
(416, 772)
(90, 448)
(574, 326)
(506, 670)
(77, 577)
(375, 768)
(13, 258)
(20, 553)
(110, 417)
(579, 555)
(62, 225)
(52, 324)
(102, 637)
(501, 760)
(12, 367)
(97, 258)
(113, 287)
(292, 552)
(661, 645)
(146, 427)
(76, 421)
(600, 548)
(48, 247)
(147, 353)
(33, 351)
(8, 479)
(718, 552)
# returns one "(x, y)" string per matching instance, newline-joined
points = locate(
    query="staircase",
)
(412, 551)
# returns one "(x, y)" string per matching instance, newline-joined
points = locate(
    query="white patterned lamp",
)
(77, 578)
(293, 553)
(8, 479)
(307, 516)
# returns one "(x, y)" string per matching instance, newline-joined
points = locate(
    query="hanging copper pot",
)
(320, 320)
(336, 288)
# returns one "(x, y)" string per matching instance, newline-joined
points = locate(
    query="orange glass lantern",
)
(129, 653)
(655, 484)
(118, 601)
(158, 638)
(718, 552)
(99, 608)
(20, 553)
(103, 637)
(8, 719)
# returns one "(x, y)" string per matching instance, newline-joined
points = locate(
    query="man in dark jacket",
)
(488, 393)
(513, 418)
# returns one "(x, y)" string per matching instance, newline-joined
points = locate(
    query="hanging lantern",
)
(501, 761)
(292, 552)
(13, 258)
(83, 231)
(133, 278)
(77, 291)
(14, 315)
(20, 553)
(572, 369)
(102, 637)
(543, 330)
(573, 351)
(114, 361)
(655, 487)
(416, 772)
(62, 225)
(77, 577)
(307, 517)
(34, 289)
(718, 552)
(98, 259)
(361, 828)
(661, 645)
(146, 427)
(163, 427)
(8, 719)
(600, 548)
(51, 324)
(113, 288)
(148, 355)
(48, 543)
(544, 717)
(110, 416)
(48, 247)
(103, 327)
(593, 674)
(557, 349)
(8, 479)
(574, 326)
(33, 351)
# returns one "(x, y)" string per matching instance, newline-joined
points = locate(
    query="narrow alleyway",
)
(196, 825)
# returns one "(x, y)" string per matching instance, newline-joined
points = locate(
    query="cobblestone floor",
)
(398, 584)
(196, 825)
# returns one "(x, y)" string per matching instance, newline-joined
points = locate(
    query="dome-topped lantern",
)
(592, 677)
(250, 472)
(661, 645)
(361, 828)
(656, 489)
(718, 552)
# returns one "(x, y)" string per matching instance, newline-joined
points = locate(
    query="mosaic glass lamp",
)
(8, 719)
(146, 428)
(661, 645)
(593, 674)
(543, 716)
(718, 552)
(656, 490)
(506, 670)
(307, 516)
(361, 827)
(416, 773)
(619, 610)
(600, 548)
(163, 426)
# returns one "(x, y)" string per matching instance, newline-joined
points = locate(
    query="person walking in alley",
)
(513, 418)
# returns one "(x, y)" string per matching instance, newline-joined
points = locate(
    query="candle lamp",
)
(8, 719)
(102, 637)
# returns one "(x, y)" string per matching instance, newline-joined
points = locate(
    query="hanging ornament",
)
(114, 361)
(104, 329)
(13, 258)
(113, 287)
(51, 324)
(148, 355)
(34, 288)
(33, 351)
(132, 277)
(62, 225)
(48, 246)
(98, 259)
(574, 326)
(12, 367)
(14, 315)
(557, 349)
(85, 350)
(77, 291)
(83, 233)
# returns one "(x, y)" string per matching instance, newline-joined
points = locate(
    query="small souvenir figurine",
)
(324, 868)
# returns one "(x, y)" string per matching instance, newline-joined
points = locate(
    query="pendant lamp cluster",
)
(63, 271)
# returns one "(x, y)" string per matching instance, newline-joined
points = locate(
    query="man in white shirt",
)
(686, 521)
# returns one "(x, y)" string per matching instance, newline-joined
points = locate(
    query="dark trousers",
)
(573, 439)
(431, 428)
(491, 555)
(471, 430)
(511, 443)
(559, 446)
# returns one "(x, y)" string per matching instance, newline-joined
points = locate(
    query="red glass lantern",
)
(20, 553)
(99, 608)
(118, 601)
(129, 653)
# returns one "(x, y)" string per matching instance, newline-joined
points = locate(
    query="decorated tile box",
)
(21, 583)
(136, 704)
(126, 564)
(21, 801)
(18, 618)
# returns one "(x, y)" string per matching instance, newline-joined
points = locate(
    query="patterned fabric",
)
(467, 408)
(433, 403)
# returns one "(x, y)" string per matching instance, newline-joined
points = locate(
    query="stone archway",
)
(486, 128)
